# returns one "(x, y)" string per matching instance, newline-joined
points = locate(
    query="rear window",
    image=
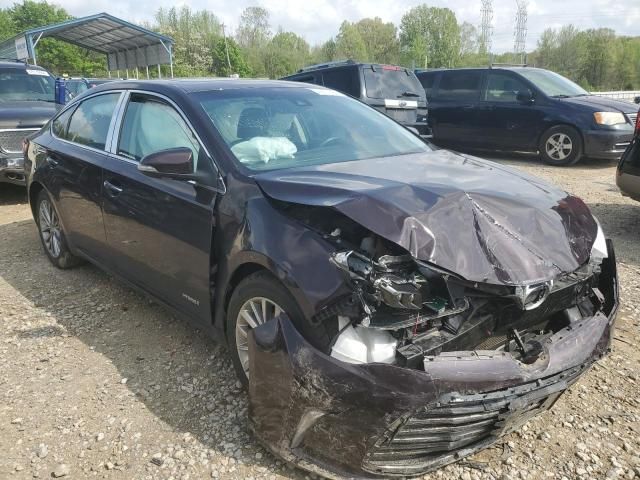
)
(391, 82)
(460, 85)
(26, 84)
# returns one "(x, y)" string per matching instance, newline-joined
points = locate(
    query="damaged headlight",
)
(599, 249)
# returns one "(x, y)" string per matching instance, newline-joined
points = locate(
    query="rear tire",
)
(561, 146)
(262, 287)
(52, 237)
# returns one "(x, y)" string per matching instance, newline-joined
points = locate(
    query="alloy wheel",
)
(50, 228)
(254, 312)
(559, 146)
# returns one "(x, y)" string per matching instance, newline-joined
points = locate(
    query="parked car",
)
(391, 306)
(77, 85)
(390, 89)
(525, 109)
(26, 104)
(628, 173)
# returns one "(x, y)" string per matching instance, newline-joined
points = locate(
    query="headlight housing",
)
(599, 250)
(609, 118)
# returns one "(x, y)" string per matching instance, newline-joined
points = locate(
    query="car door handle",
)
(112, 189)
(52, 162)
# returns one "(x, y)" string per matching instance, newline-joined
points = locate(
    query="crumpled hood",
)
(481, 220)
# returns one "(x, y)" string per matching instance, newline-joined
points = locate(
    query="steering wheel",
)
(330, 140)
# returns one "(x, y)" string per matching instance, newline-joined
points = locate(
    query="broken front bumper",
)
(378, 421)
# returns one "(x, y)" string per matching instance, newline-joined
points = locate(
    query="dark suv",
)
(525, 109)
(26, 104)
(390, 89)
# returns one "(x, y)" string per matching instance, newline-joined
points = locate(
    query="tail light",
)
(637, 130)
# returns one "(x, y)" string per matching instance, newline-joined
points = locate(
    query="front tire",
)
(561, 146)
(257, 299)
(52, 237)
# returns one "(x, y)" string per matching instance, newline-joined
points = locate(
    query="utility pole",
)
(486, 30)
(520, 32)
(226, 48)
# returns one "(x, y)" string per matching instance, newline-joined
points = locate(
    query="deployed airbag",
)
(264, 149)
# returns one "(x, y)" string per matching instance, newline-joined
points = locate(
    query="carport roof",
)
(102, 33)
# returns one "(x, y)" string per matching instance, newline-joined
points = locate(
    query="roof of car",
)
(188, 85)
(8, 63)
(514, 68)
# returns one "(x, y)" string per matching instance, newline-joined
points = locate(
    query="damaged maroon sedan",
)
(392, 307)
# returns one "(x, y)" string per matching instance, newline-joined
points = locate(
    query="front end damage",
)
(426, 367)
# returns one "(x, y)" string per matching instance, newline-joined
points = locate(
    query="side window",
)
(60, 123)
(344, 80)
(427, 80)
(306, 79)
(90, 121)
(151, 125)
(502, 87)
(459, 85)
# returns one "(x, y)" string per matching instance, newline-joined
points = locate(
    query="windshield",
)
(388, 81)
(273, 128)
(552, 84)
(26, 85)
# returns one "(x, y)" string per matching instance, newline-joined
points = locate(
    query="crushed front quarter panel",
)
(359, 421)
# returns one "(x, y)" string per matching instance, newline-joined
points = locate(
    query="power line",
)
(520, 33)
(486, 30)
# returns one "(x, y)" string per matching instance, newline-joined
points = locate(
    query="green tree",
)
(350, 44)
(326, 52)
(380, 40)
(429, 37)
(285, 54)
(194, 33)
(253, 35)
(220, 65)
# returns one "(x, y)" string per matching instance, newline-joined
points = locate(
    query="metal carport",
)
(126, 45)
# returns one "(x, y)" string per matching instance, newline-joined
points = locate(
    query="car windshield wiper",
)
(408, 94)
(562, 95)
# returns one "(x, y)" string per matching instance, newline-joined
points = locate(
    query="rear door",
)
(161, 229)
(508, 123)
(75, 158)
(453, 109)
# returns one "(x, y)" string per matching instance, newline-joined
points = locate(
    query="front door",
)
(161, 229)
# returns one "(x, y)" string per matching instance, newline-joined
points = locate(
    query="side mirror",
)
(636, 99)
(176, 163)
(525, 96)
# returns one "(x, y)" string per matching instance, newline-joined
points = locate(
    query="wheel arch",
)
(562, 124)
(34, 190)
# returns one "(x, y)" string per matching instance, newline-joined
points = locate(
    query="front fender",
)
(293, 253)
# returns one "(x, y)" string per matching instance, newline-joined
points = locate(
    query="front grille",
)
(632, 117)
(459, 425)
(11, 140)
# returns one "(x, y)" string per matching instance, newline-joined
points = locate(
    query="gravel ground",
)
(97, 381)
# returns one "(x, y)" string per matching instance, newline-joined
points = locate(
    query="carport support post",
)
(147, 67)
(159, 74)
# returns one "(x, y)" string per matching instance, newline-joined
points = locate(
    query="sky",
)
(319, 20)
